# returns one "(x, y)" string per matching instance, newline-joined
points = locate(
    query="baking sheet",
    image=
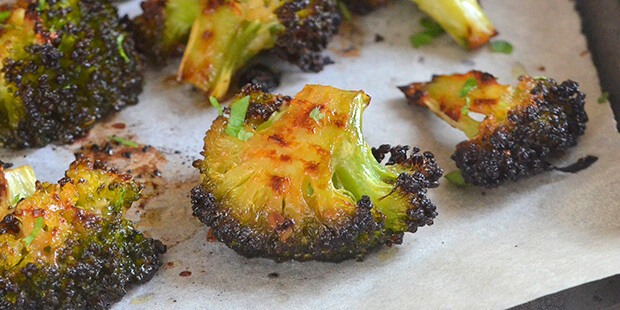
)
(487, 249)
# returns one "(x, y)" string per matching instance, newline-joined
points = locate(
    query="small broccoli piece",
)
(464, 20)
(523, 125)
(162, 30)
(227, 34)
(305, 185)
(68, 246)
(64, 65)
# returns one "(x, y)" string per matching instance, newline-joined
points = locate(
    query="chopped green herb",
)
(124, 142)
(17, 198)
(604, 97)
(244, 135)
(501, 47)
(38, 224)
(238, 109)
(344, 10)
(465, 109)
(539, 78)
(456, 177)
(4, 16)
(433, 30)
(432, 27)
(503, 105)
(216, 104)
(467, 87)
(316, 114)
(121, 50)
(41, 5)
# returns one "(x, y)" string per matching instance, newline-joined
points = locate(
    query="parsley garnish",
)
(432, 31)
(456, 177)
(238, 109)
(38, 224)
(501, 47)
(124, 142)
(121, 50)
(216, 104)
(4, 16)
(17, 198)
(316, 114)
(344, 10)
(465, 109)
(41, 5)
(604, 97)
(467, 87)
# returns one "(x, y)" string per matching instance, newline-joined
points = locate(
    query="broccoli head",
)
(523, 126)
(294, 179)
(162, 29)
(64, 65)
(67, 245)
(464, 20)
(227, 34)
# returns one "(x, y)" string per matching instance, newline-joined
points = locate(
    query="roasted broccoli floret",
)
(294, 179)
(64, 65)
(162, 30)
(464, 20)
(67, 245)
(523, 126)
(226, 35)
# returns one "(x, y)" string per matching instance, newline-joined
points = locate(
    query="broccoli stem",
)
(357, 172)
(220, 44)
(464, 20)
(19, 183)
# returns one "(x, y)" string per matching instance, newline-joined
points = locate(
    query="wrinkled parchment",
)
(488, 248)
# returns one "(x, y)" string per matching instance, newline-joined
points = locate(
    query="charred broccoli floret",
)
(294, 179)
(67, 245)
(162, 30)
(64, 65)
(464, 20)
(226, 35)
(523, 126)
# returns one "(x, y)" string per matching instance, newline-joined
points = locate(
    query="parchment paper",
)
(488, 248)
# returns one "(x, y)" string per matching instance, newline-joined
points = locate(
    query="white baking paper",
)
(488, 248)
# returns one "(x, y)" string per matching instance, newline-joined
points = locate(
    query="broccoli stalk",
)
(68, 246)
(15, 185)
(464, 20)
(305, 185)
(222, 43)
(523, 126)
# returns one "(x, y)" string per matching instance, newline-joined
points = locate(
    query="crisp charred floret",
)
(161, 31)
(464, 20)
(523, 126)
(227, 35)
(64, 65)
(294, 179)
(68, 246)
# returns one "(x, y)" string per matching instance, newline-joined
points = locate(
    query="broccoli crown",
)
(227, 34)
(305, 185)
(522, 128)
(161, 31)
(65, 64)
(464, 20)
(67, 246)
